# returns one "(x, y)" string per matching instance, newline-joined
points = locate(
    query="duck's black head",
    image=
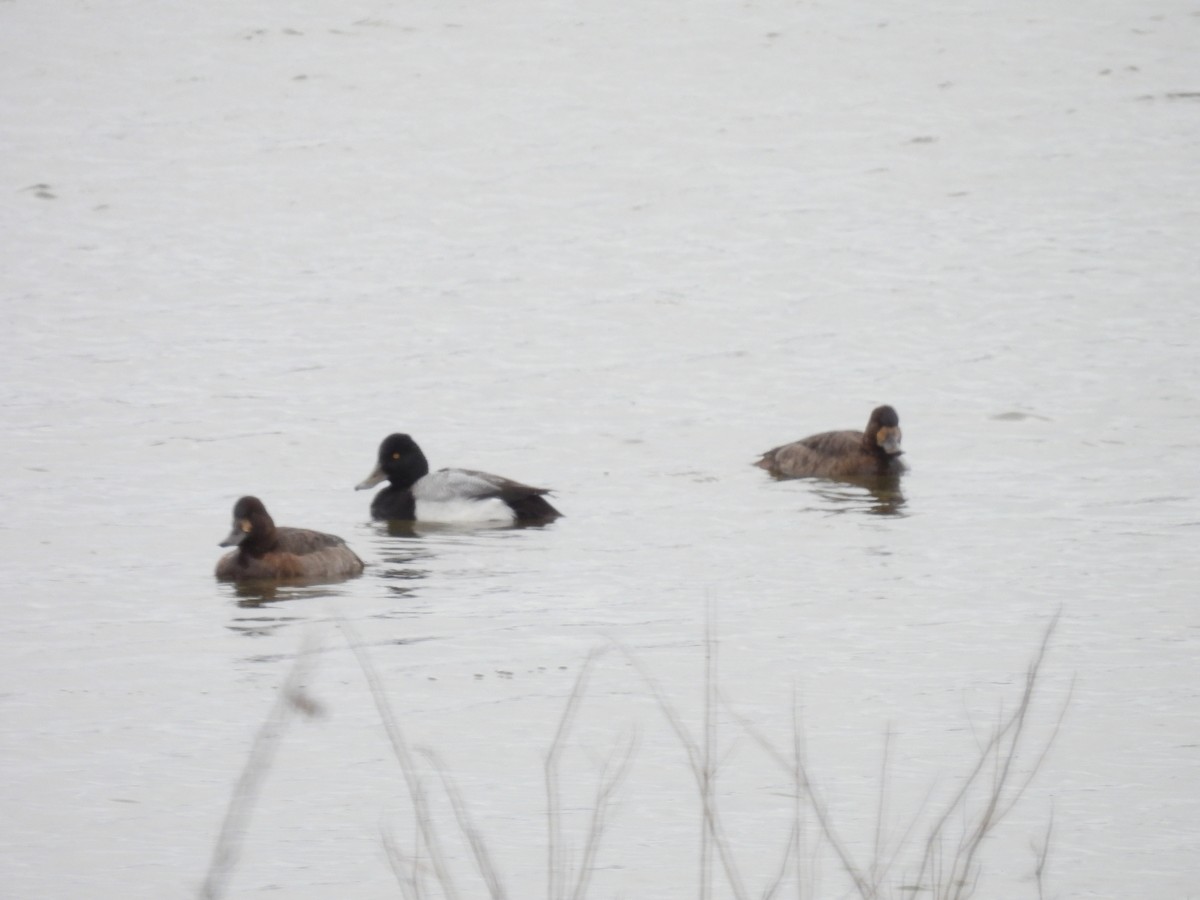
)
(883, 432)
(253, 529)
(400, 461)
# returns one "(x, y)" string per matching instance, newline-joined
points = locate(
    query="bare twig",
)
(416, 790)
(610, 780)
(1050, 741)
(289, 702)
(1002, 749)
(776, 882)
(877, 868)
(462, 815)
(805, 785)
(798, 820)
(993, 811)
(707, 772)
(1041, 852)
(696, 760)
(399, 863)
(556, 867)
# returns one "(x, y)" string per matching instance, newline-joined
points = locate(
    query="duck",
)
(448, 495)
(842, 454)
(265, 551)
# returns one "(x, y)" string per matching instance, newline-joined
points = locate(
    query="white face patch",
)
(889, 439)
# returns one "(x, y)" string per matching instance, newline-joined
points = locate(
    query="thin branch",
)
(990, 818)
(695, 758)
(776, 882)
(416, 790)
(707, 772)
(1041, 853)
(609, 781)
(399, 862)
(805, 784)
(881, 810)
(290, 701)
(1037, 765)
(556, 868)
(463, 816)
(1003, 745)
(798, 820)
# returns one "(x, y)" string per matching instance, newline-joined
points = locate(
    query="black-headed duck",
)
(448, 495)
(842, 454)
(265, 551)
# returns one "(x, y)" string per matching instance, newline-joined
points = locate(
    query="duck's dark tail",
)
(534, 508)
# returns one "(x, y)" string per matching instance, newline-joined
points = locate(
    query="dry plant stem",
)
(798, 820)
(416, 790)
(861, 884)
(695, 760)
(610, 779)
(809, 790)
(878, 870)
(880, 874)
(289, 701)
(1003, 744)
(478, 847)
(1062, 714)
(556, 869)
(400, 865)
(993, 813)
(776, 882)
(912, 824)
(708, 772)
(1041, 853)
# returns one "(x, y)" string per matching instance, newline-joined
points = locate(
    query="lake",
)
(618, 250)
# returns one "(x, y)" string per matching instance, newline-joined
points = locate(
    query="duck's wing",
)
(468, 484)
(812, 454)
(303, 540)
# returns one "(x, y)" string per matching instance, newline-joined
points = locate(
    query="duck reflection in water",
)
(879, 496)
(255, 592)
(403, 554)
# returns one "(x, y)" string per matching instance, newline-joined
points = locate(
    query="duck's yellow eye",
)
(246, 526)
(395, 456)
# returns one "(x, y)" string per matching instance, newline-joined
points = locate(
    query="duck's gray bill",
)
(236, 536)
(371, 480)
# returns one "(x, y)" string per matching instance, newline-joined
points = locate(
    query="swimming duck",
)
(448, 495)
(266, 551)
(842, 454)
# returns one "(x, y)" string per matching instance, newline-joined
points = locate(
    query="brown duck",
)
(842, 454)
(265, 551)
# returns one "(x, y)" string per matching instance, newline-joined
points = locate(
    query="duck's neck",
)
(262, 538)
(404, 473)
(871, 446)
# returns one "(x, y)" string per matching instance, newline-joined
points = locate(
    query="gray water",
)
(617, 250)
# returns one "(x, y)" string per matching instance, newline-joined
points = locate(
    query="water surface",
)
(619, 252)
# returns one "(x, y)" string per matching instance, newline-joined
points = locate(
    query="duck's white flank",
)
(456, 495)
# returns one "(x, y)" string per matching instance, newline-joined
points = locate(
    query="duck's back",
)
(304, 541)
(465, 495)
(830, 454)
(298, 553)
(527, 503)
(468, 495)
